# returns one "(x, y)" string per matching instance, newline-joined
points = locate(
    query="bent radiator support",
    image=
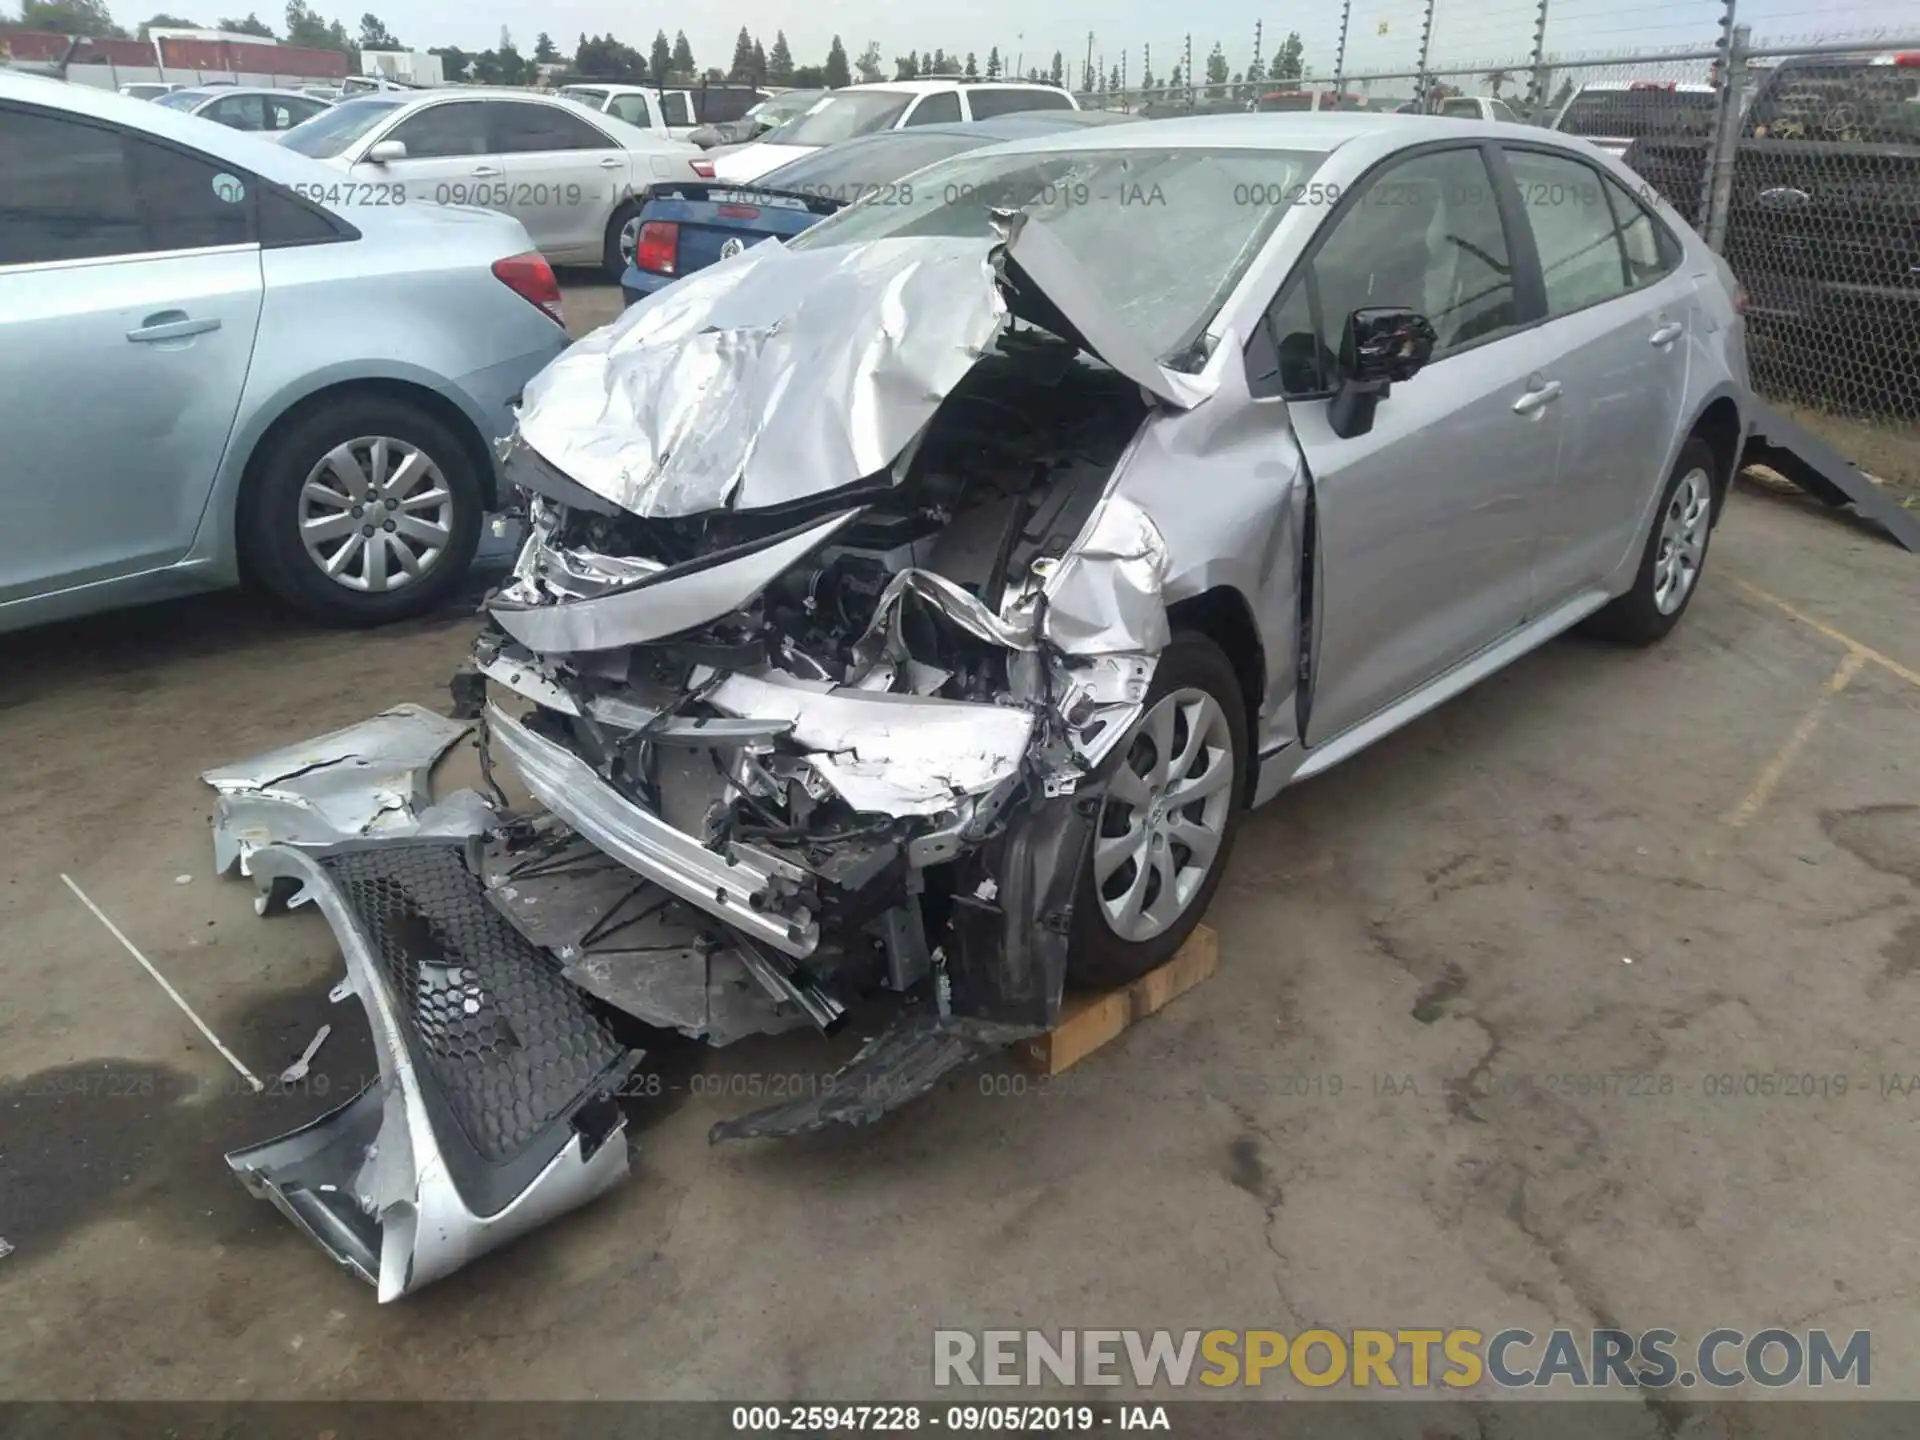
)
(493, 1112)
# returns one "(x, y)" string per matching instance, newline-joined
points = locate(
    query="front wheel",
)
(1676, 553)
(1167, 821)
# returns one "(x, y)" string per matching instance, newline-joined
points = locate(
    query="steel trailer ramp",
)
(1785, 445)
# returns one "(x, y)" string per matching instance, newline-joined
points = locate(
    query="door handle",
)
(1537, 399)
(612, 162)
(1667, 333)
(485, 170)
(171, 325)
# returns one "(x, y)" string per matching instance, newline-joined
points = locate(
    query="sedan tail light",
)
(702, 168)
(658, 249)
(531, 278)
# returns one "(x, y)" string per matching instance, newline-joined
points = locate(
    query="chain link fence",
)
(1791, 143)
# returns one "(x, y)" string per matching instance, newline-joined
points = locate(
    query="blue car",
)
(687, 227)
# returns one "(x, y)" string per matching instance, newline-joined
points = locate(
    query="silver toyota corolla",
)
(920, 604)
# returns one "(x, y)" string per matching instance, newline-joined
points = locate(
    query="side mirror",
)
(1378, 347)
(388, 151)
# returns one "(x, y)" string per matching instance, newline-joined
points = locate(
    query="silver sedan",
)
(920, 604)
(576, 179)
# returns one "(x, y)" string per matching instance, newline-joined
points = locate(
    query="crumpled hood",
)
(769, 377)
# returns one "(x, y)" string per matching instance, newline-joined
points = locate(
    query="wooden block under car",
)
(1089, 1019)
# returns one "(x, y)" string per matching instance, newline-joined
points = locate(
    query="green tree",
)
(164, 22)
(1057, 73)
(993, 63)
(780, 60)
(375, 36)
(683, 55)
(809, 77)
(759, 62)
(837, 71)
(906, 67)
(1173, 81)
(1287, 64)
(972, 68)
(743, 54)
(926, 62)
(1113, 80)
(869, 64)
(71, 17)
(660, 59)
(941, 65)
(454, 61)
(1217, 73)
(252, 25)
(544, 50)
(305, 27)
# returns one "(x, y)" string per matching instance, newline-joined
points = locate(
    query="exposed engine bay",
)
(791, 739)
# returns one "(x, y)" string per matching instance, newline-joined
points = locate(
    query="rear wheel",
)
(1167, 821)
(364, 511)
(1676, 553)
(623, 233)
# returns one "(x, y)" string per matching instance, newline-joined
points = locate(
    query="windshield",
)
(1851, 102)
(1634, 114)
(834, 118)
(1164, 234)
(782, 108)
(184, 99)
(333, 130)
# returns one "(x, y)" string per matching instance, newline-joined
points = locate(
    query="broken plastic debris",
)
(183, 879)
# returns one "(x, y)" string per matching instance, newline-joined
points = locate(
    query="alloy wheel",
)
(1165, 815)
(629, 238)
(375, 514)
(1683, 541)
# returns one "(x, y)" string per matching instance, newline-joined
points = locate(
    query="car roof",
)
(1250, 130)
(210, 91)
(927, 87)
(1682, 87)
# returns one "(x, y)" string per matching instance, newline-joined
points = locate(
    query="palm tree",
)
(1495, 79)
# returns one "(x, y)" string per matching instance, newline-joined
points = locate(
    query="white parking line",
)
(101, 915)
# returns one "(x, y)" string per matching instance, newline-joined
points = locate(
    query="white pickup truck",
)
(667, 111)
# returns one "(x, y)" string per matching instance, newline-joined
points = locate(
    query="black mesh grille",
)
(509, 1042)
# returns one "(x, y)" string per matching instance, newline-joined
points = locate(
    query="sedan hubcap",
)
(375, 514)
(1683, 541)
(1165, 814)
(629, 238)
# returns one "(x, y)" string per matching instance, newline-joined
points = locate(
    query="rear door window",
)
(676, 109)
(523, 129)
(988, 103)
(237, 112)
(1574, 229)
(632, 109)
(941, 109)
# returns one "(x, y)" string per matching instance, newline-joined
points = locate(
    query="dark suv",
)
(1824, 227)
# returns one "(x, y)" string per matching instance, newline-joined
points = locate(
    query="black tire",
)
(611, 260)
(1097, 956)
(1636, 617)
(272, 553)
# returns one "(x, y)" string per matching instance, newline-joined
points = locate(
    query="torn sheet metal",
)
(1039, 259)
(629, 942)
(1106, 595)
(744, 887)
(367, 780)
(884, 753)
(492, 1112)
(666, 603)
(902, 1063)
(882, 643)
(773, 376)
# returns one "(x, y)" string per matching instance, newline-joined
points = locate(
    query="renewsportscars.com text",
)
(1452, 1359)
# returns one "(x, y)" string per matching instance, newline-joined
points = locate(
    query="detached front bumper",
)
(493, 1111)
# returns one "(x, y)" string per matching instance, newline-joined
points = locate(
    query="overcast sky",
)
(1464, 30)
